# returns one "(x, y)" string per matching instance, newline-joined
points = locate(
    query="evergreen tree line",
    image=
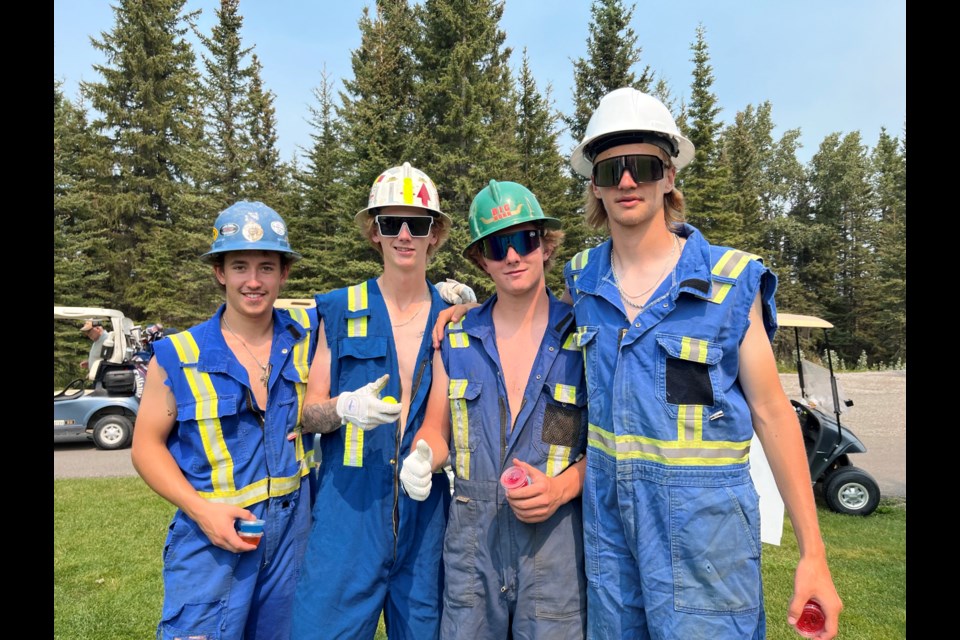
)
(171, 134)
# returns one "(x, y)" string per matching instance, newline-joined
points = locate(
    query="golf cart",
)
(103, 405)
(845, 488)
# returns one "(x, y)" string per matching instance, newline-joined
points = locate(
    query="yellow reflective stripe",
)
(357, 301)
(459, 340)
(699, 453)
(208, 423)
(357, 297)
(408, 191)
(461, 426)
(690, 422)
(719, 291)
(571, 342)
(732, 263)
(352, 445)
(581, 259)
(565, 393)
(693, 349)
(557, 459)
(256, 492)
(301, 349)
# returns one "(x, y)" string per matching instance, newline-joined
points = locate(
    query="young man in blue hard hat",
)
(676, 339)
(373, 550)
(508, 389)
(217, 435)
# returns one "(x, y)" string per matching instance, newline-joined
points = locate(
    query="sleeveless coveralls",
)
(372, 548)
(232, 452)
(671, 516)
(507, 578)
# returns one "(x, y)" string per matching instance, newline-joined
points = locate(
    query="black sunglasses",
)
(523, 242)
(417, 226)
(643, 168)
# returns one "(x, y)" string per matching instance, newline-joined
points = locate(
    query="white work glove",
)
(416, 475)
(364, 409)
(454, 292)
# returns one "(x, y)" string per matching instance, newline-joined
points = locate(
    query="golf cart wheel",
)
(112, 431)
(851, 491)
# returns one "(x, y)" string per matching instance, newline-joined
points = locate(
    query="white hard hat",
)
(403, 186)
(622, 117)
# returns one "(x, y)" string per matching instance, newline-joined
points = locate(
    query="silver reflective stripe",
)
(690, 453)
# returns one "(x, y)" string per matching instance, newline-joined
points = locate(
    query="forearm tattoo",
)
(320, 417)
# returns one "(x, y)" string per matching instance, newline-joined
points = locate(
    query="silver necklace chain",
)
(264, 368)
(411, 318)
(616, 279)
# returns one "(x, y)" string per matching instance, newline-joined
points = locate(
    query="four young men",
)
(668, 337)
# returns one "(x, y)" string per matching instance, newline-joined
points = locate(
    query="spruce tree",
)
(705, 183)
(321, 226)
(612, 55)
(842, 204)
(227, 108)
(542, 168)
(144, 106)
(885, 322)
(466, 113)
(267, 178)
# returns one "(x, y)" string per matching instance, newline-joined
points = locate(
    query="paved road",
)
(878, 418)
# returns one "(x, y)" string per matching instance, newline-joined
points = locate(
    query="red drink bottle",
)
(811, 620)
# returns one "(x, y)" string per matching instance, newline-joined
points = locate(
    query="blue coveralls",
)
(506, 578)
(372, 548)
(231, 452)
(671, 516)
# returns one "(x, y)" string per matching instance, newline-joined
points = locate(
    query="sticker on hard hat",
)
(229, 229)
(215, 234)
(278, 227)
(501, 212)
(252, 231)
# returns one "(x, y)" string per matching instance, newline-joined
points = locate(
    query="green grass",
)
(109, 534)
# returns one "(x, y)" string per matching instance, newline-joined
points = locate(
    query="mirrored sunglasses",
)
(523, 242)
(417, 226)
(643, 168)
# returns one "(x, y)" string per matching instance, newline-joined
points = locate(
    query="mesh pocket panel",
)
(561, 425)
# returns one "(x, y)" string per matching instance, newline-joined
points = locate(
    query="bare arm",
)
(778, 429)
(450, 314)
(319, 409)
(436, 421)
(541, 498)
(152, 460)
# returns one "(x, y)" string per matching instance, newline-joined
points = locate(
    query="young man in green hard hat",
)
(508, 389)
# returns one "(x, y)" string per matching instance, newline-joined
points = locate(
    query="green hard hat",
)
(501, 205)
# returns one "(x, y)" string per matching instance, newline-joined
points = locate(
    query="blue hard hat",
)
(247, 226)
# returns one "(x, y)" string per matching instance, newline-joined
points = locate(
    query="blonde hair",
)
(595, 214)
(441, 227)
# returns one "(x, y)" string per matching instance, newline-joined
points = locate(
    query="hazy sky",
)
(825, 65)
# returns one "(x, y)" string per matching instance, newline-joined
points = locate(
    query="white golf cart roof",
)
(295, 303)
(121, 328)
(796, 320)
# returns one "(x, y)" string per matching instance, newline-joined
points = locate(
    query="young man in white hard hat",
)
(373, 550)
(676, 339)
(508, 389)
(217, 435)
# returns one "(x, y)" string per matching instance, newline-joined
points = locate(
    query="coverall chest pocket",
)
(464, 396)
(687, 372)
(361, 359)
(562, 432)
(211, 427)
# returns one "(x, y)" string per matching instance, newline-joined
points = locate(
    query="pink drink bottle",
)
(514, 478)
